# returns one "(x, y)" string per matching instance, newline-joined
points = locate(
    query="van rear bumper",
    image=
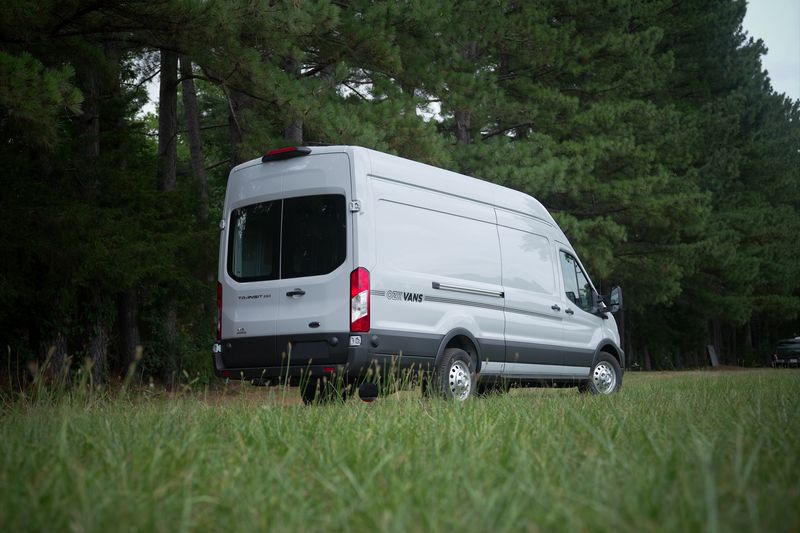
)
(257, 358)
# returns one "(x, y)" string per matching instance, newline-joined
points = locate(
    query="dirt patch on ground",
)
(717, 370)
(729, 368)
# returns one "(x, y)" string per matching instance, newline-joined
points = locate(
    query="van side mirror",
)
(599, 307)
(615, 300)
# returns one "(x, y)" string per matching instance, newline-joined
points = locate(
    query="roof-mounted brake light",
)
(285, 153)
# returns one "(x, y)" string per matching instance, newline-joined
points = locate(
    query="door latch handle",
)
(570, 312)
(295, 292)
(555, 307)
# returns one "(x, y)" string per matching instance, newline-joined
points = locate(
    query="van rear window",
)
(255, 237)
(314, 235)
(290, 238)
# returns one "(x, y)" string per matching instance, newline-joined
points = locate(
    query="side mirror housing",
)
(615, 300)
(598, 305)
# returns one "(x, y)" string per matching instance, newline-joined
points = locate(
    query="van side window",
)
(576, 284)
(254, 246)
(527, 261)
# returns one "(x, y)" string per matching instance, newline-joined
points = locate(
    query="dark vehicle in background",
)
(787, 354)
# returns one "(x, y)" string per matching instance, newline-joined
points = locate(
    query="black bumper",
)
(288, 359)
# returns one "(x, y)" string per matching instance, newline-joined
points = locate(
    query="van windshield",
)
(291, 238)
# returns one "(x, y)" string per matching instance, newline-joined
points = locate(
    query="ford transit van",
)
(337, 260)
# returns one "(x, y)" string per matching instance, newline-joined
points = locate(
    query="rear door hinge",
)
(355, 206)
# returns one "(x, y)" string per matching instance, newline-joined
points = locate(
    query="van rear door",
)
(313, 293)
(249, 267)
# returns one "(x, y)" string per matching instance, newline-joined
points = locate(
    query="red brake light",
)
(285, 153)
(219, 311)
(359, 300)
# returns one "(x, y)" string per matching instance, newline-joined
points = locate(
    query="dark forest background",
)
(649, 129)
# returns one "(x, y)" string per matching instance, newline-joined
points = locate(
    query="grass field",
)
(684, 452)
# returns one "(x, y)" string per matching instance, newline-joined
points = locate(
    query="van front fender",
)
(608, 345)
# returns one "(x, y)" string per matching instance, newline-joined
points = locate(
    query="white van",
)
(337, 260)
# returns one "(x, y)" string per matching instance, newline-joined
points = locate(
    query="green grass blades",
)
(695, 451)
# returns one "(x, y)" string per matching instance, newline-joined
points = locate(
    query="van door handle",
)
(555, 307)
(296, 292)
(570, 312)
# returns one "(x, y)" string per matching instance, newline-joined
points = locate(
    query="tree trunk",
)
(89, 120)
(99, 336)
(463, 124)
(197, 159)
(294, 124)
(464, 116)
(98, 344)
(716, 337)
(168, 121)
(237, 103)
(53, 354)
(128, 318)
(748, 334)
(647, 363)
(294, 131)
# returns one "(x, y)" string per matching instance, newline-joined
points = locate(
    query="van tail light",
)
(359, 300)
(219, 311)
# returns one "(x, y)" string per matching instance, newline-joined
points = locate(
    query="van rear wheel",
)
(455, 375)
(605, 376)
(322, 391)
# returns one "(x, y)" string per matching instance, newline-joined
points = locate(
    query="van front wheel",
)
(455, 375)
(605, 377)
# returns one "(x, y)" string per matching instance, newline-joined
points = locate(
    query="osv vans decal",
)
(405, 296)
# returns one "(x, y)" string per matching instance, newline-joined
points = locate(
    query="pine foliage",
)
(650, 131)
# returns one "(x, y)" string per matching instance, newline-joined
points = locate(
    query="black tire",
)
(308, 391)
(605, 377)
(320, 391)
(455, 378)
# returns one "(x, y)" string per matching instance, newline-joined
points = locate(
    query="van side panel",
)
(437, 269)
(532, 311)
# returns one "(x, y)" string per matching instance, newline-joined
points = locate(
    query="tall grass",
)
(700, 451)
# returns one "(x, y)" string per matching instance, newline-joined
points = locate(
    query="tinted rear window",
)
(291, 238)
(254, 249)
(314, 235)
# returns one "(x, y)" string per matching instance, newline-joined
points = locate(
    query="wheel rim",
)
(604, 378)
(459, 380)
